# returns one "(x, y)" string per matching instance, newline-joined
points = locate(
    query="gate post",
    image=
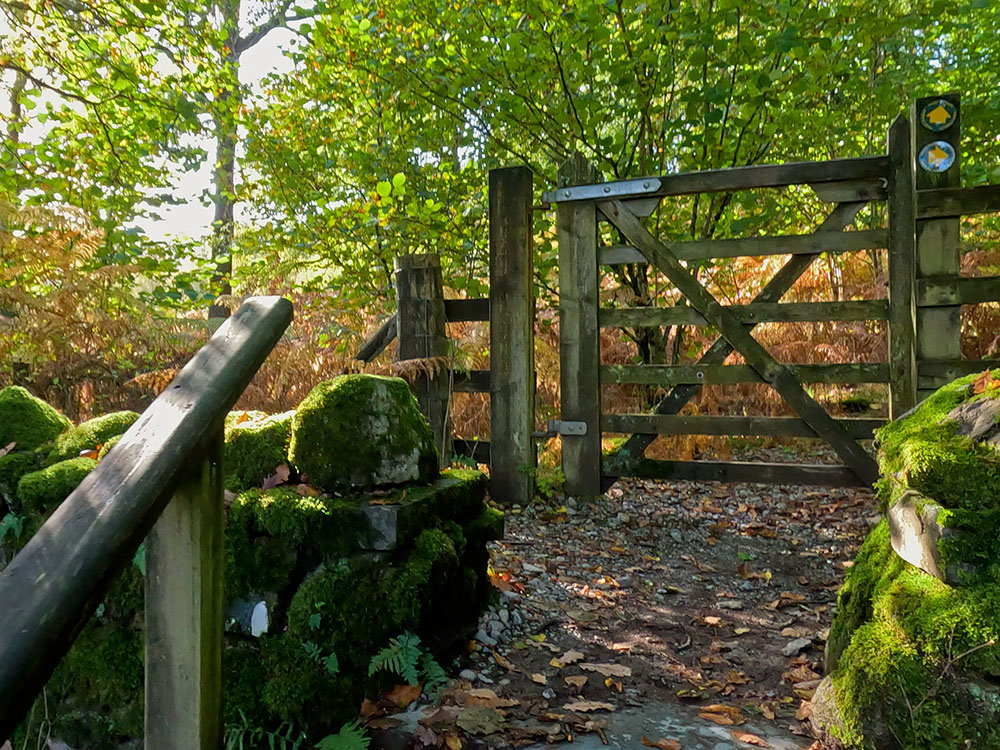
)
(579, 334)
(512, 336)
(901, 208)
(423, 334)
(939, 327)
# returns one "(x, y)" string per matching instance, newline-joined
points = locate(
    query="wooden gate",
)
(922, 309)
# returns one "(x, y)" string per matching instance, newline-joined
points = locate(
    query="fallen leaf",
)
(442, 717)
(611, 682)
(767, 710)
(722, 714)
(403, 695)
(452, 741)
(369, 708)
(741, 631)
(569, 657)
(803, 711)
(752, 575)
(581, 615)
(307, 490)
(607, 670)
(539, 678)
(981, 382)
(576, 681)
(662, 744)
(487, 697)
(385, 722)
(750, 739)
(280, 476)
(504, 662)
(87, 452)
(584, 706)
(480, 720)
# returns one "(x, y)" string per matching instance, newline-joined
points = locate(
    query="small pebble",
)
(548, 694)
(504, 616)
(467, 674)
(485, 639)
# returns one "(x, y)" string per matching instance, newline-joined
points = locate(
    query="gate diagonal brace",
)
(633, 449)
(738, 336)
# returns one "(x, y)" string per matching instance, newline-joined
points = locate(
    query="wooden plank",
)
(477, 450)
(794, 244)
(673, 375)
(52, 586)
(512, 336)
(742, 178)
(932, 374)
(954, 202)
(671, 424)
(938, 327)
(902, 272)
(838, 219)
(183, 639)
(737, 471)
(777, 376)
(953, 290)
(760, 312)
(467, 310)
(473, 381)
(851, 190)
(579, 347)
(423, 334)
(379, 340)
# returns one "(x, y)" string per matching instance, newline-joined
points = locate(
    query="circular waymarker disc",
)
(938, 115)
(936, 156)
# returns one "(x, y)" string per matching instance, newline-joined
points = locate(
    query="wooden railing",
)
(162, 483)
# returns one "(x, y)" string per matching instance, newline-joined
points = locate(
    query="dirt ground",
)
(716, 595)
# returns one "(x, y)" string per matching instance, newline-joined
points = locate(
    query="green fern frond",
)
(401, 656)
(350, 737)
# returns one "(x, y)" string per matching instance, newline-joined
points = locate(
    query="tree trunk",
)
(224, 176)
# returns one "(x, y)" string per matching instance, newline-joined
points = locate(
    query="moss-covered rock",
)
(927, 452)
(255, 447)
(915, 660)
(90, 435)
(13, 466)
(42, 491)
(945, 452)
(27, 421)
(362, 431)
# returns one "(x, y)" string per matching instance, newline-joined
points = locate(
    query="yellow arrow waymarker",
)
(939, 115)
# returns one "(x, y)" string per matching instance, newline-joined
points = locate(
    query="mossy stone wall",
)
(912, 661)
(310, 557)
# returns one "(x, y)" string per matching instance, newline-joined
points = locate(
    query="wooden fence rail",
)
(163, 479)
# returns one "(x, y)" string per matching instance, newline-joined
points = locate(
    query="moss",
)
(875, 565)
(13, 466)
(27, 421)
(243, 677)
(255, 448)
(908, 644)
(44, 490)
(110, 443)
(95, 694)
(923, 451)
(89, 435)
(362, 431)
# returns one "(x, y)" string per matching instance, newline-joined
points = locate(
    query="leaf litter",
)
(628, 588)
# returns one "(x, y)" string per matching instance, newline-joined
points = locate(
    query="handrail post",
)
(184, 621)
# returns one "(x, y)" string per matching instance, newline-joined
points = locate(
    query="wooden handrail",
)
(54, 584)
